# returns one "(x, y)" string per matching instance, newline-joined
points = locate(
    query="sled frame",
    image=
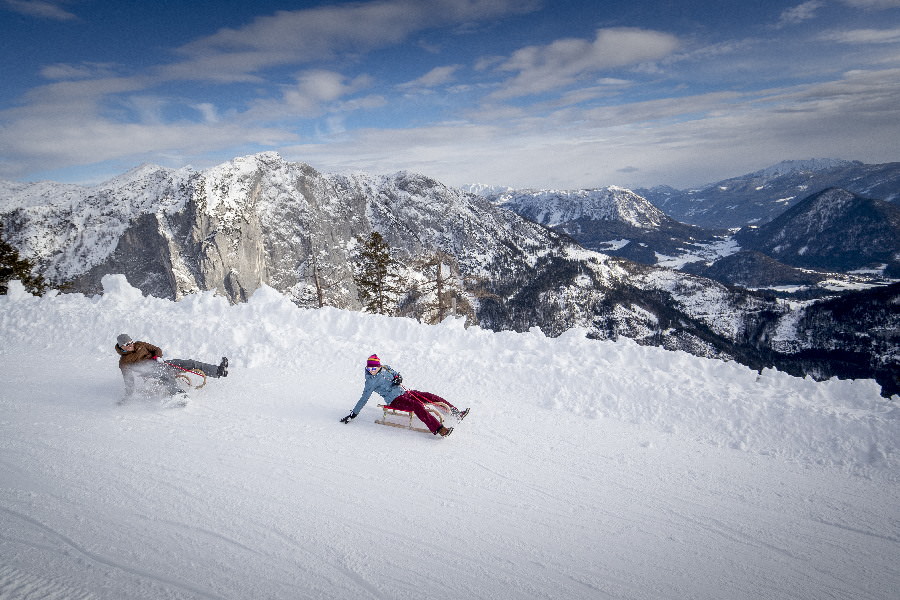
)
(183, 376)
(434, 408)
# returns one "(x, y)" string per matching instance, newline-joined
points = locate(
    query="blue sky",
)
(524, 93)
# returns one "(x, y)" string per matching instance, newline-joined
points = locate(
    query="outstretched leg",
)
(428, 397)
(408, 401)
(191, 365)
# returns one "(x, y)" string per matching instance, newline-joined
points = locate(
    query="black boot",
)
(223, 368)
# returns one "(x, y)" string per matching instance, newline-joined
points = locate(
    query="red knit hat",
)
(373, 361)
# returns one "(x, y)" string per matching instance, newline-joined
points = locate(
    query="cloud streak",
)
(864, 36)
(296, 37)
(555, 66)
(799, 13)
(42, 9)
(436, 77)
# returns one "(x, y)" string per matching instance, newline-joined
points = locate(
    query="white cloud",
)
(433, 78)
(85, 70)
(315, 92)
(208, 111)
(557, 65)
(301, 36)
(800, 13)
(873, 4)
(44, 9)
(39, 144)
(864, 36)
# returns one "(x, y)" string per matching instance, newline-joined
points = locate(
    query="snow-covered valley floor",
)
(585, 470)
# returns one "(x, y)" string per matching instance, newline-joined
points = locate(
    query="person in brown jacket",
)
(143, 359)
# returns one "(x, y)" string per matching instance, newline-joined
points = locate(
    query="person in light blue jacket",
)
(386, 382)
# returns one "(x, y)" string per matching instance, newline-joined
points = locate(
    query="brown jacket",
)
(142, 351)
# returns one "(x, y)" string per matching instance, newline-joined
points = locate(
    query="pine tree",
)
(442, 293)
(13, 266)
(321, 278)
(375, 276)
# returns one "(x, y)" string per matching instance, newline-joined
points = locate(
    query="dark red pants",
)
(415, 400)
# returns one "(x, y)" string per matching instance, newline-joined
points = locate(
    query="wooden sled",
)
(407, 416)
(183, 377)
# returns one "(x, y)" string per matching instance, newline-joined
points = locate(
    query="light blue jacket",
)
(380, 382)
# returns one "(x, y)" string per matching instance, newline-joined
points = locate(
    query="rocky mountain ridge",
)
(261, 220)
(833, 242)
(612, 220)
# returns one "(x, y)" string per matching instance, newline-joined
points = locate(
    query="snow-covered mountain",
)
(483, 189)
(585, 469)
(259, 220)
(833, 237)
(759, 197)
(612, 220)
(854, 240)
(554, 208)
(253, 220)
(833, 229)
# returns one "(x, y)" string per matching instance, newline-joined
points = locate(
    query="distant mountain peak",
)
(788, 167)
(140, 175)
(483, 189)
(757, 198)
(555, 207)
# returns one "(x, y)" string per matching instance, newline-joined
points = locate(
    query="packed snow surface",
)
(585, 469)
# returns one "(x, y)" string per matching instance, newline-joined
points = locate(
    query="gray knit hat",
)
(124, 339)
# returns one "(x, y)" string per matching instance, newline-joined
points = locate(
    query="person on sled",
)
(142, 359)
(386, 382)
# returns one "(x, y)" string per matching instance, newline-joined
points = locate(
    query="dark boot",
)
(223, 368)
(444, 431)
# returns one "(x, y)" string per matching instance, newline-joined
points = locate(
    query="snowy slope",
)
(586, 469)
(556, 207)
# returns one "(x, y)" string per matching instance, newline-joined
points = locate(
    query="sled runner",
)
(184, 378)
(407, 416)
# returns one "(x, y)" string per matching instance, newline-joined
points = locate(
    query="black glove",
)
(346, 419)
(397, 380)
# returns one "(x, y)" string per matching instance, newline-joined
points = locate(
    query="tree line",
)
(430, 288)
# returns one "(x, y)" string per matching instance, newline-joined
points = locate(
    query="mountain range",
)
(262, 220)
(759, 197)
(833, 236)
